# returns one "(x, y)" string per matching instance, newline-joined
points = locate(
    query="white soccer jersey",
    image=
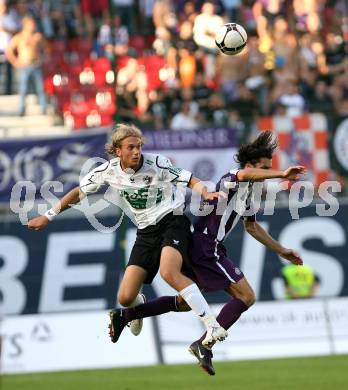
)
(149, 193)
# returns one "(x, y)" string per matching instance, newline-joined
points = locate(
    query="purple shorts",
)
(212, 269)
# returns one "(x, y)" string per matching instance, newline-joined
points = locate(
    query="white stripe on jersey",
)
(238, 204)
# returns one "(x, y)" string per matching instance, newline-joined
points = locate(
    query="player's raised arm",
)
(266, 239)
(72, 197)
(89, 184)
(256, 174)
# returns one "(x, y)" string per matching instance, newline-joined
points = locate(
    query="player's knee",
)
(249, 298)
(246, 295)
(168, 276)
(125, 299)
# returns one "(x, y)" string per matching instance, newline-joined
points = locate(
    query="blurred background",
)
(69, 70)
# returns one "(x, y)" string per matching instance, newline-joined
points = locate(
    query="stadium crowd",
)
(168, 72)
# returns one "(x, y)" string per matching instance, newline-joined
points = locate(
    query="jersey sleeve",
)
(170, 173)
(228, 182)
(94, 180)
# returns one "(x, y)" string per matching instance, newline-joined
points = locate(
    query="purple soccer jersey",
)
(212, 268)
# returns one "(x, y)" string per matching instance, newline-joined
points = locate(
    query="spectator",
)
(216, 113)
(146, 16)
(204, 30)
(334, 53)
(125, 9)
(25, 54)
(232, 9)
(189, 13)
(8, 26)
(235, 122)
(232, 70)
(300, 281)
(292, 100)
(308, 57)
(321, 101)
(245, 104)
(132, 85)
(164, 15)
(158, 109)
(185, 38)
(184, 119)
(201, 92)
(187, 68)
(113, 38)
(92, 11)
(308, 80)
(66, 19)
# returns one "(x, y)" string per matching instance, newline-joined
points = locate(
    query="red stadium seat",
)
(48, 85)
(106, 120)
(149, 40)
(57, 48)
(153, 65)
(137, 42)
(102, 64)
(121, 62)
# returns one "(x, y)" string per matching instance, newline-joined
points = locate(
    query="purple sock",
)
(229, 314)
(151, 308)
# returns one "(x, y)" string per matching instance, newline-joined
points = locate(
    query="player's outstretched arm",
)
(266, 239)
(197, 185)
(72, 197)
(254, 174)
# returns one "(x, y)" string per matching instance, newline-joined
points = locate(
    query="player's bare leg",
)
(242, 291)
(132, 281)
(170, 270)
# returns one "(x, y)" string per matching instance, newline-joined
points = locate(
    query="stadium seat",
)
(121, 62)
(137, 42)
(153, 65)
(102, 64)
(77, 112)
(48, 85)
(57, 48)
(149, 40)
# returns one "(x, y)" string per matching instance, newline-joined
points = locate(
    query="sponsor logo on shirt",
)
(143, 198)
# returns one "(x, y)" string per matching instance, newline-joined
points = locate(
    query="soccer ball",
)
(231, 38)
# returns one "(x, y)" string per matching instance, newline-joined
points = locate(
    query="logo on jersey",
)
(237, 271)
(176, 242)
(147, 179)
(132, 180)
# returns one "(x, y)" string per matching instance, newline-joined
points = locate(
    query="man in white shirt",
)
(293, 101)
(184, 119)
(204, 30)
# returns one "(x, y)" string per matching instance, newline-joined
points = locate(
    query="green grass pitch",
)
(316, 373)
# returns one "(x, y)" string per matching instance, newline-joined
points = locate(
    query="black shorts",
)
(171, 230)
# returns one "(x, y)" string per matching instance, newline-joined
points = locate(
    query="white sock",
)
(198, 304)
(137, 301)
